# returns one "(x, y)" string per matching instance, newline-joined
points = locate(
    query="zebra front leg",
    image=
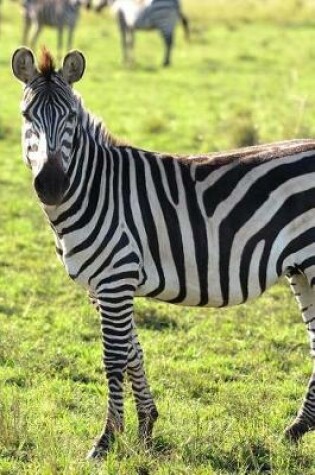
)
(305, 295)
(116, 328)
(146, 409)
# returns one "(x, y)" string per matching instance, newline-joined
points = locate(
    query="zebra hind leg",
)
(305, 419)
(146, 409)
(168, 40)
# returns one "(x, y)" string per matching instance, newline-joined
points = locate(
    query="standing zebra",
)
(211, 231)
(58, 14)
(161, 15)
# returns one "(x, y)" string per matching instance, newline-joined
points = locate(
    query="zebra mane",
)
(97, 127)
(46, 64)
(111, 139)
(103, 134)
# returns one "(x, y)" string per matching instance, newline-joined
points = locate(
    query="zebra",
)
(58, 14)
(161, 15)
(213, 230)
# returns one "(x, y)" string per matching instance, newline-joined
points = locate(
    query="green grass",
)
(226, 382)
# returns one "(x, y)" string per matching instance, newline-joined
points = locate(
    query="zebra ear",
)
(73, 66)
(23, 64)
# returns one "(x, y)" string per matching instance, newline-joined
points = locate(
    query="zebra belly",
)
(213, 282)
(191, 295)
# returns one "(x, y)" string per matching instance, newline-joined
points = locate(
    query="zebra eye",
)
(72, 116)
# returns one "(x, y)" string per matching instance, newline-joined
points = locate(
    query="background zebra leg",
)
(127, 38)
(168, 40)
(116, 326)
(146, 409)
(70, 37)
(37, 31)
(305, 419)
(59, 42)
(130, 46)
(26, 30)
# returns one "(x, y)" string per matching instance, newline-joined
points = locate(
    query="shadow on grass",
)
(142, 470)
(18, 380)
(155, 320)
(6, 310)
(5, 182)
(136, 67)
(249, 458)
(306, 24)
(161, 446)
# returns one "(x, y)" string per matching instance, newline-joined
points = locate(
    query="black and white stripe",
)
(58, 14)
(213, 231)
(161, 15)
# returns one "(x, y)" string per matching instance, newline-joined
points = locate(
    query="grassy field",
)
(226, 382)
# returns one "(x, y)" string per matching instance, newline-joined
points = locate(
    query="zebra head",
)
(49, 110)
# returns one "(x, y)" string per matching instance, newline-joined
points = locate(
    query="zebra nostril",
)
(66, 182)
(32, 148)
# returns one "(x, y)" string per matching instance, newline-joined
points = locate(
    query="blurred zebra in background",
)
(59, 14)
(161, 15)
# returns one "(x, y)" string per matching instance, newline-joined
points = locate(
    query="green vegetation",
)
(226, 382)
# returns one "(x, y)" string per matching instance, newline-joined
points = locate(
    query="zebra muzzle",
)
(51, 182)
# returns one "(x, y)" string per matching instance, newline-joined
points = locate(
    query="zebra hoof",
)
(295, 431)
(96, 453)
(146, 424)
(101, 448)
